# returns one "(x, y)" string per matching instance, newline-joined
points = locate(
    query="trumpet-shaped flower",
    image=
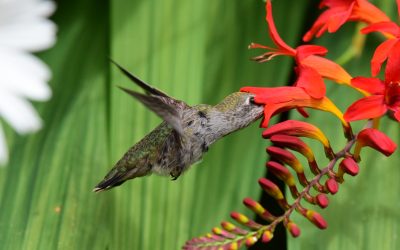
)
(282, 99)
(311, 66)
(23, 29)
(388, 50)
(385, 95)
(341, 11)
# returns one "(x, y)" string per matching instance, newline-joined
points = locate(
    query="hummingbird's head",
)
(240, 107)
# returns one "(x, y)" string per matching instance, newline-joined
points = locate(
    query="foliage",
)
(196, 51)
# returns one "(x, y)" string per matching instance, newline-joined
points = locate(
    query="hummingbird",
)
(183, 137)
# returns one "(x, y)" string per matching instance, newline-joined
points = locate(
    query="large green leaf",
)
(195, 51)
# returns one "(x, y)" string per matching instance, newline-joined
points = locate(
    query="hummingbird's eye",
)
(250, 100)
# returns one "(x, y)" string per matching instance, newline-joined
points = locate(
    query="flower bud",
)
(322, 200)
(232, 228)
(298, 129)
(244, 220)
(348, 166)
(281, 172)
(293, 143)
(332, 186)
(251, 241)
(316, 219)
(267, 236)
(258, 209)
(271, 188)
(375, 139)
(286, 157)
(294, 230)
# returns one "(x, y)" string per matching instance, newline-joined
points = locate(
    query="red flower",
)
(281, 99)
(389, 49)
(311, 66)
(341, 11)
(385, 96)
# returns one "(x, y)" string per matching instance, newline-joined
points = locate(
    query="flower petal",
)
(380, 55)
(24, 75)
(304, 51)
(392, 71)
(397, 115)
(311, 82)
(330, 20)
(365, 11)
(366, 108)
(371, 85)
(383, 27)
(30, 36)
(19, 113)
(328, 69)
(286, 98)
(3, 148)
(273, 33)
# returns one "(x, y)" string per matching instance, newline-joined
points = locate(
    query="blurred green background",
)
(197, 52)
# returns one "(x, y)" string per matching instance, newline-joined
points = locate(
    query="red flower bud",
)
(316, 219)
(375, 139)
(232, 228)
(281, 172)
(349, 166)
(285, 157)
(322, 200)
(267, 236)
(251, 240)
(244, 220)
(258, 209)
(332, 186)
(294, 230)
(293, 143)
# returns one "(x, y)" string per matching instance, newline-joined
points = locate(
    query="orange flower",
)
(341, 11)
(388, 50)
(281, 99)
(385, 96)
(311, 67)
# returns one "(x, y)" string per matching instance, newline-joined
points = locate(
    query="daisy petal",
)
(30, 35)
(380, 55)
(24, 62)
(19, 113)
(24, 75)
(3, 148)
(371, 85)
(366, 108)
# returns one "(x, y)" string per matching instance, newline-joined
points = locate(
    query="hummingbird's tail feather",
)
(109, 183)
(149, 89)
(164, 110)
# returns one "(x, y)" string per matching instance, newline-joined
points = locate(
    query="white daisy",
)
(24, 28)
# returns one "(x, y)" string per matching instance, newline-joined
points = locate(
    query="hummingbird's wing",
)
(149, 89)
(160, 106)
